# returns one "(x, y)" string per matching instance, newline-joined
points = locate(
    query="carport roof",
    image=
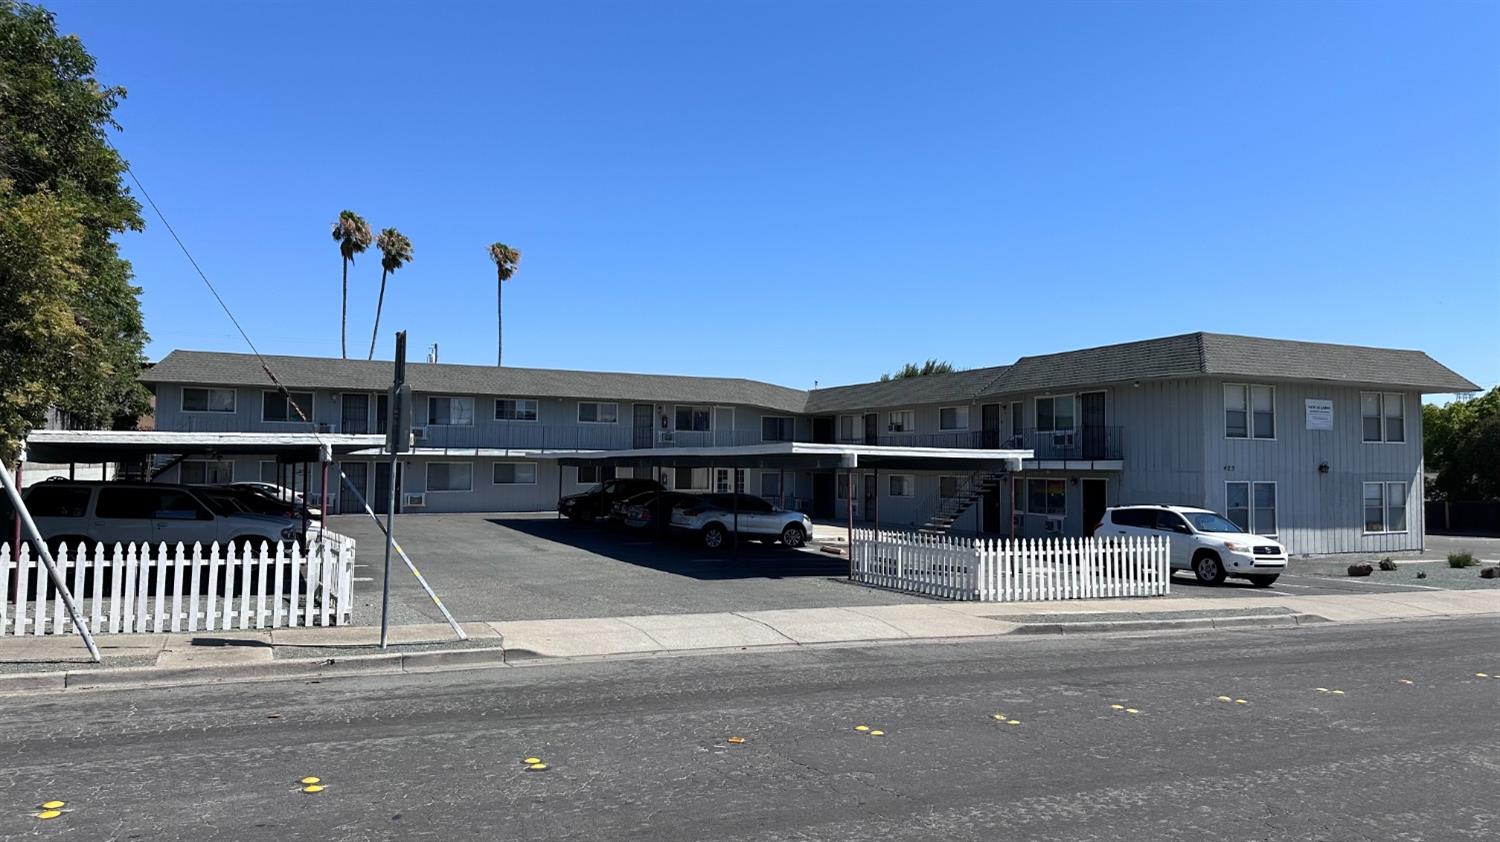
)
(61, 446)
(808, 455)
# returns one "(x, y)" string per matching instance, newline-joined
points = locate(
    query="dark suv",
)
(594, 503)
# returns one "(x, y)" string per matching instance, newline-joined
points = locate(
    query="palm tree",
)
(353, 236)
(395, 251)
(507, 260)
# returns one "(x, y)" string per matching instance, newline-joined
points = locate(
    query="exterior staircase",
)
(950, 509)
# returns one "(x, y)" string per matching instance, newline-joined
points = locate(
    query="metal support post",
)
(23, 518)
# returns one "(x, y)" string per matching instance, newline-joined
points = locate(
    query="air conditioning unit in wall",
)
(416, 501)
(1053, 526)
(419, 434)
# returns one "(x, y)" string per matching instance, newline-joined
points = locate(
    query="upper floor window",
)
(902, 421)
(849, 429)
(1055, 414)
(1383, 416)
(451, 412)
(695, 419)
(1249, 411)
(953, 418)
(515, 409)
(593, 412)
(274, 406)
(775, 428)
(207, 400)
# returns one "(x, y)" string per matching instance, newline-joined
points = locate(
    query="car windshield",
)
(1210, 522)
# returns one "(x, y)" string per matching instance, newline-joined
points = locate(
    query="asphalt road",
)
(638, 749)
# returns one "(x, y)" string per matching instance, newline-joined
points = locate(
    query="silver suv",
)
(147, 512)
(1202, 541)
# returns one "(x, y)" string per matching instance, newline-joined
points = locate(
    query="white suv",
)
(1201, 541)
(713, 517)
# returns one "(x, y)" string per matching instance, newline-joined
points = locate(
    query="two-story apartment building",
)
(1317, 444)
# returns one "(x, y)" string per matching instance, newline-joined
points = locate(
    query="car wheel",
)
(793, 536)
(1208, 569)
(714, 536)
(1263, 581)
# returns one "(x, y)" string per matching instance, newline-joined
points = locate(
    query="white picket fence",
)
(141, 588)
(1020, 570)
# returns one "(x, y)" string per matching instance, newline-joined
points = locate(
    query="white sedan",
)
(713, 518)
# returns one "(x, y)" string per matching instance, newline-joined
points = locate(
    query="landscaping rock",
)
(1360, 569)
(1490, 573)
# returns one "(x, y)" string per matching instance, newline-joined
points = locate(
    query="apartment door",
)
(989, 426)
(823, 494)
(1017, 424)
(382, 409)
(1095, 501)
(643, 426)
(354, 417)
(1091, 424)
(823, 429)
(872, 428)
(356, 474)
(871, 489)
(989, 509)
(383, 488)
(724, 433)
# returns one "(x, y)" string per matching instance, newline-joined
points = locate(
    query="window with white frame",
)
(514, 473)
(770, 484)
(902, 421)
(515, 409)
(1382, 416)
(275, 407)
(1055, 414)
(207, 472)
(207, 400)
(775, 428)
(694, 419)
(948, 487)
(902, 485)
(594, 412)
(849, 429)
(721, 480)
(690, 479)
(1249, 411)
(593, 474)
(450, 412)
(1251, 506)
(450, 476)
(1385, 507)
(1047, 497)
(953, 418)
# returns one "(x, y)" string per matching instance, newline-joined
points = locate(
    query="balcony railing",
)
(1082, 443)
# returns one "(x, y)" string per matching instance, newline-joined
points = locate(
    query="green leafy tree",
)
(507, 260)
(71, 333)
(1461, 442)
(914, 370)
(395, 252)
(352, 234)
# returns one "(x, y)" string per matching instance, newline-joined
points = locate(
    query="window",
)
(208, 400)
(515, 409)
(146, 503)
(1382, 416)
(593, 412)
(770, 484)
(948, 487)
(450, 412)
(1385, 507)
(450, 476)
(297, 475)
(903, 485)
(591, 474)
(721, 480)
(1169, 522)
(515, 473)
(902, 421)
(58, 501)
(775, 428)
(849, 428)
(953, 418)
(207, 472)
(1047, 497)
(1249, 411)
(1055, 414)
(694, 419)
(685, 479)
(841, 487)
(1143, 518)
(1251, 506)
(274, 406)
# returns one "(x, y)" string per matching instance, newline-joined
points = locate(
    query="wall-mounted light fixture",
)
(1323, 467)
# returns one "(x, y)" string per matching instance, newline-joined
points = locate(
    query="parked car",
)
(653, 509)
(147, 512)
(1202, 541)
(619, 506)
(713, 518)
(595, 502)
(254, 498)
(281, 493)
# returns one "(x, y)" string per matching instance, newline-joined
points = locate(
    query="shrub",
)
(1387, 563)
(1460, 559)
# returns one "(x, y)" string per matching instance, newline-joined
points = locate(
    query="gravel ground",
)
(1439, 574)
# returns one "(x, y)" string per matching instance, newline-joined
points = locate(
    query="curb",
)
(1251, 621)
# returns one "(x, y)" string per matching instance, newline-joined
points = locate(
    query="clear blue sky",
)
(820, 191)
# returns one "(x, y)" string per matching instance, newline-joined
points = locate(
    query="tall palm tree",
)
(507, 260)
(353, 236)
(395, 251)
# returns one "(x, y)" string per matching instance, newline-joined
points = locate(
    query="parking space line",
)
(1336, 583)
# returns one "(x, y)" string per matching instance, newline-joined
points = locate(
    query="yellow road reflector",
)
(313, 788)
(1338, 692)
(1241, 702)
(1000, 716)
(1405, 680)
(1131, 710)
(1223, 698)
(48, 814)
(530, 760)
(861, 727)
(54, 805)
(1481, 675)
(537, 767)
(1321, 689)
(310, 780)
(877, 733)
(1117, 707)
(1014, 722)
(736, 740)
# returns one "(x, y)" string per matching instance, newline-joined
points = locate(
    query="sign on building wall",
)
(1319, 414)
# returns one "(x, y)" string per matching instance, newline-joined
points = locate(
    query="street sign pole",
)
(398, 432)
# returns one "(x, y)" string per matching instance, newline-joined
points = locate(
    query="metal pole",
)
(736, 496)
(849, 512)
(15, 545)
(390, 538)
(876, 498)
(559, 489)
(23, 517)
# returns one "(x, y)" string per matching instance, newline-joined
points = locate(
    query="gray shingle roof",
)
(958, 387)
(212, 367)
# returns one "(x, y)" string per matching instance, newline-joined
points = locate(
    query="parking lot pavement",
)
(533, 566)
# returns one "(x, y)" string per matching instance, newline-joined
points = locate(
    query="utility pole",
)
(398, 432)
